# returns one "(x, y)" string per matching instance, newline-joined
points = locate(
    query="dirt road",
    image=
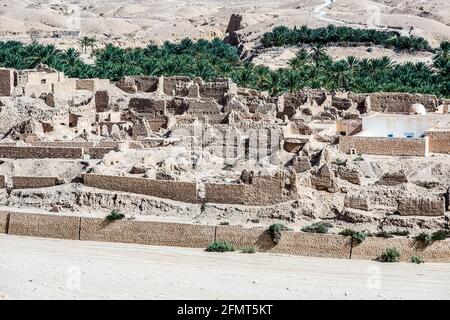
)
(47, 269)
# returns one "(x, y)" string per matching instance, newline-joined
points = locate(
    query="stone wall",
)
(384, 146)
(40, 152)
(174, 190)
(22, 182)
(6, 82)
(439, 141)
(151, 233)
(44, 225)
(296, 243)
(421, 206)
(199, 236)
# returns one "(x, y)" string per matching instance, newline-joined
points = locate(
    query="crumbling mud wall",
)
(6, 82)
(383, 146)
(4, 221)
(439, 141)
(150, 233)
(421, 206)
(11, 152)
(259, 191)
(92, 84)
(174, 190)
(396, 102)
(22, 182)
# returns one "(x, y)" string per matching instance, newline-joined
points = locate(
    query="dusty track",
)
(49, 269)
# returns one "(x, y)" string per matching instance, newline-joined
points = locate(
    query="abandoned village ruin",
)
(176, 148)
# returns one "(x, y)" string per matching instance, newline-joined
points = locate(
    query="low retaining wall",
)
(22, 182)
(199, 236)
(372, 248)
(384, 146)
(40, 152)
(151, 233)
(174, 190)
(295, 243)
(439, 141)
(44, 225)
(4, 221)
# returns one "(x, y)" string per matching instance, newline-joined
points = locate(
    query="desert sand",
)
(137, 22)
(34, 268)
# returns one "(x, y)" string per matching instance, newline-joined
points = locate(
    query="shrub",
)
(224, 223)
(359, 158)
(439, 235)
(115, 215)
(248, 250)
(398, 232)
(390, 255)
(220, 246)
(339, 162)
(318, 227)
(383, 234)
(425, 237)
(416, 259)
(254, 220)
(275, 231)
(358, 236)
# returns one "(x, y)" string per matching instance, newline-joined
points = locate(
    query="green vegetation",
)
(382, 234)
(115, 215)
(318, 227)
(210, 59)
(248, 250)
(390, 255)
(428, 238)
(220, 246)
(358, 236)
(275, 231)
(358, 158)
(417, 259)
(339, 162)
(282, 35)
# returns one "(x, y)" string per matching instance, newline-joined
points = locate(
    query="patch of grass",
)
(390, 255)
(358, 236)
(417, 259)
(275, 231)
(359, 158)
(318, 227)
(220, 246)
(248, 250)
(115, 215)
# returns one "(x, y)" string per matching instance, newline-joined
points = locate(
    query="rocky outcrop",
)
(301, 164)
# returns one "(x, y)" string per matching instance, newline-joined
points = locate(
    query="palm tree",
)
(318, 53)
(85, 42)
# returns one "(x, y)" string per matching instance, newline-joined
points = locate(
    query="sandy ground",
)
(32, 268)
